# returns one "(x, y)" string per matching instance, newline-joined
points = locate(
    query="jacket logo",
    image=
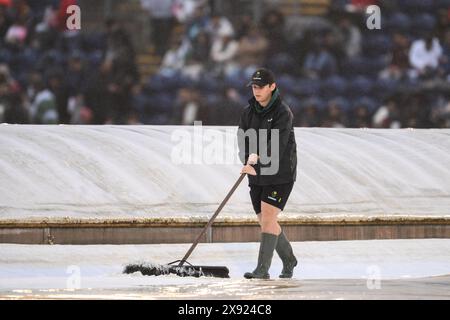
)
(270, 120)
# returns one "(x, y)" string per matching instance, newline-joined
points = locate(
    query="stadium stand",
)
(198, 55)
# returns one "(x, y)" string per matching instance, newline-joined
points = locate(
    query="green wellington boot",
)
(266, 249)
(284, 250)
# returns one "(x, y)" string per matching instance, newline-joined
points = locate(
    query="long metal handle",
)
(210, 222)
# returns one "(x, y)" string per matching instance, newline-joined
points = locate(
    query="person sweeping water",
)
(268, 150)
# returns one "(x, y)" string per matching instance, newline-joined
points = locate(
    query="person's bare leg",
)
(269, 219)
(258, 215)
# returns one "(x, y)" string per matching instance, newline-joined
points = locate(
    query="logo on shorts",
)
(273, 196)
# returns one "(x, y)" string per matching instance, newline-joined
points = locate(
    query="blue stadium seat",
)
(281, 63)
(340, 4)
(212, 99)
(424, 22)
(416, 6)
(359, 86)
(5, 55)
(384, 88)
(376, 44)
(369, 103)
(315, 101)
(306, 87)
(293, 101)
(181, 81)
(444, 4)
(208, 83)
(140, 102)
(237, 81)
(287, 83)
(159, 119)
(342, 103)
(398, 22)
(163, 102)
(374, 65)
(354, 66)
(156, 83)
(93, 41)
(162, 83)
(333, 86)
(95, 58)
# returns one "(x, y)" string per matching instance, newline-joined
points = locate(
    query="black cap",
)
(262, 77)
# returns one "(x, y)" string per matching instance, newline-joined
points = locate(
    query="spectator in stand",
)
(46, 33)
(399, 58)
(273, 24)
(119, 63)
(5, 22)
(252, 49)
(17, 34)
(332, 44)
(161, 22)
(198, 57)
(319, 63)
(223, 52)
(76, 74)
(350, 37)
(20, 11)
(198, 23)
(133, 119)
(445, 59)
(424, 56)
(227, 109)
(416, 111)
(219, 25)
(243, 24)
(361, 117)
(96, 97)
(387, 116)
(200, 48)
(184, 10)
(43, 109)
(34, 36)
(191, 106)
(443, 23)
(440, 114)
(174, 59)
(12, 109)
(334, 116)
(73, 85)
(310, 116)
(59, 89)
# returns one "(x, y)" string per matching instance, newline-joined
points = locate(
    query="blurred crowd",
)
(332, 70)
(49, 74)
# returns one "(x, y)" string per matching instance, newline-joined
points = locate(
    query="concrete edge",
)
(199, 222)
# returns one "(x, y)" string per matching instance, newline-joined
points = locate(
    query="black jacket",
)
(277, 116)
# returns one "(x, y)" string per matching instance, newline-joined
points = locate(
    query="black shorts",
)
(276, 195)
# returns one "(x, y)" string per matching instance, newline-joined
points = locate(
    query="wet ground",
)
(423, 288)
(374, 269)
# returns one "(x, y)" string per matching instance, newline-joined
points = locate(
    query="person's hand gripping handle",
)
(248, 168)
